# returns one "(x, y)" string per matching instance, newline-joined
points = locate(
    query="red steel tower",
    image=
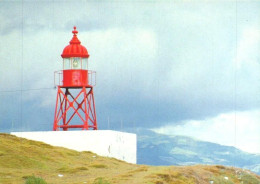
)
(75, 106)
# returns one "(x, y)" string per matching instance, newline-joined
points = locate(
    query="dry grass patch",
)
(99, 166)
(21, 158)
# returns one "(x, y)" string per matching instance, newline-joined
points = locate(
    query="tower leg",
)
(64, 118)
(93, 109)
(81, 105)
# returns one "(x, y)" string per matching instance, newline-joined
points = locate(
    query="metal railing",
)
(58, 78)
(92, 77)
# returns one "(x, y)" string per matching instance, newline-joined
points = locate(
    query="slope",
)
(20, 158)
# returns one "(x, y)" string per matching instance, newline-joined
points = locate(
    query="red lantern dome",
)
(75, 49)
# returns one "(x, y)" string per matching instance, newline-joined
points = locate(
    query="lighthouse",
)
(75, 110)
(75, 105)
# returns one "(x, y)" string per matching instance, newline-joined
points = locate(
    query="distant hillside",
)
(21, 158)
(158, 149)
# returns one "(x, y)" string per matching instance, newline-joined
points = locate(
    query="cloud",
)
(122, 57)
(239, 129)
(247, 48)
(155, 62)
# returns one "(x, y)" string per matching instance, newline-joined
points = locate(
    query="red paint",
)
(72, 78)
(78, 105)
(75, 49)
(68, 106)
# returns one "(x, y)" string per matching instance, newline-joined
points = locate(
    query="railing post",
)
(59, 78)
(91, 78)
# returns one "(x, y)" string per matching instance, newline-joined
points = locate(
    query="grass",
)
(24, 161)
(98, 166)
(100, 180)
(72, 169)
(34, 180)
(247, 178)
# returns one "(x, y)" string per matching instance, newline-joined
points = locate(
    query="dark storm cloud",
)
(157, 63)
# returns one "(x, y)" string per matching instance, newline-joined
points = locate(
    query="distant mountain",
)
(158, 149)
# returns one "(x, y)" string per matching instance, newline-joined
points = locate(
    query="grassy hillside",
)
(21, 158)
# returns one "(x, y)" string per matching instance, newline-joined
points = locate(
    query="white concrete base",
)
(108, 143)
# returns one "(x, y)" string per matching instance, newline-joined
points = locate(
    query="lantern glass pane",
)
(84, 63)
(66, 64)
(76, 63)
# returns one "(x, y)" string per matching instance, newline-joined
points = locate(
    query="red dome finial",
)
(75, 32)
(75, 49)
(75, 39)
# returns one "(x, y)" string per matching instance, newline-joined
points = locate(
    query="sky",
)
(175, 67)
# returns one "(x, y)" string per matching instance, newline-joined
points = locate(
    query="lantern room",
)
(75, 64)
